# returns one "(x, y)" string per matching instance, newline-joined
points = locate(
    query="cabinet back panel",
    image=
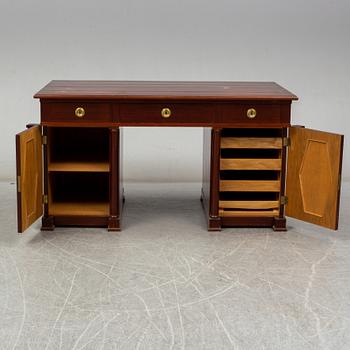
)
(79, 187)
(248, 196)
(249, 175)
(250, 153)
(68, 144)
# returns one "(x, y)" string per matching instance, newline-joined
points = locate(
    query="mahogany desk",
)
(69, 166)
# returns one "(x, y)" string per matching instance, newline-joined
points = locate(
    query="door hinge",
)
(284, 200)
(286, 141)
(45, 199)
(44, 140)
(19, 183)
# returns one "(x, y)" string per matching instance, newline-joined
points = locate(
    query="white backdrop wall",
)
(303, 45)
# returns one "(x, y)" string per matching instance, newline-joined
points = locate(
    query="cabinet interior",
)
(78, 166)
(78, 149)
(250, 172)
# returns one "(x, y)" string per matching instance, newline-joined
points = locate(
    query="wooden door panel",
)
(29, 177)
(313, 176)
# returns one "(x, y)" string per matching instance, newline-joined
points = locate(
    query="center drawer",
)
(166, 113)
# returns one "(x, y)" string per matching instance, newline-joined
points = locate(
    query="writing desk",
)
(69, 166)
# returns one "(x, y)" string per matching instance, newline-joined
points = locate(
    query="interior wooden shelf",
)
(251, 142)
(79, 166)
(78, 149)
(250, 164)
(248, 204)
(247, 213)
(79, 193)
(79, 208)
(250, 185)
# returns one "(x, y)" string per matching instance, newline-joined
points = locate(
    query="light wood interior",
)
(78, 164)
(247, 213)
(80, 209)
(79, 193)
(251, 142)
(250, 164)
(78, 149)
(250, 172)
(248, 185)
(248, 204)
(313, 176)
(29, 176)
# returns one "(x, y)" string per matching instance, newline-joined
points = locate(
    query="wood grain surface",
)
(251, 142)
(250, 185)
(193, 90)
(250, 164)
(29, 177)
(313, 176)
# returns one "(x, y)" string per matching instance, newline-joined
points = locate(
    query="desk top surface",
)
(163, 90)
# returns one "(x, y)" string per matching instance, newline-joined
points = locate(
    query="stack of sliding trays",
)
(250, 172)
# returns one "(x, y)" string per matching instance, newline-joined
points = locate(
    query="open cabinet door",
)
(29, 177)
(314, 176)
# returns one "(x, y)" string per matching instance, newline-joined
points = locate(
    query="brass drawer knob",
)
(80, 112)
(251, 113)
(166, 112)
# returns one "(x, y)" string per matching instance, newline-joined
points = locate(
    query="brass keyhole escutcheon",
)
(166, 112)
(251, 113)
(80, 112)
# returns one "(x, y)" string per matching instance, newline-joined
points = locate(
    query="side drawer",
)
(254, 114)
(79, 112)
(166, 113)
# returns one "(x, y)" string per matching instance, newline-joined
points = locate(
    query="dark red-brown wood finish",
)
(47, 221)
(210, 188)
(146, 113)
(133, 103)
(114, 181)
(163, 90)
(211, 105)
(280, 222)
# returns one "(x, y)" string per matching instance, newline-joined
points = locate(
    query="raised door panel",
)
(313, 176)
(29, 177)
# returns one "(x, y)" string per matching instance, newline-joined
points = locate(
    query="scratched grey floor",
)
(166, 283)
